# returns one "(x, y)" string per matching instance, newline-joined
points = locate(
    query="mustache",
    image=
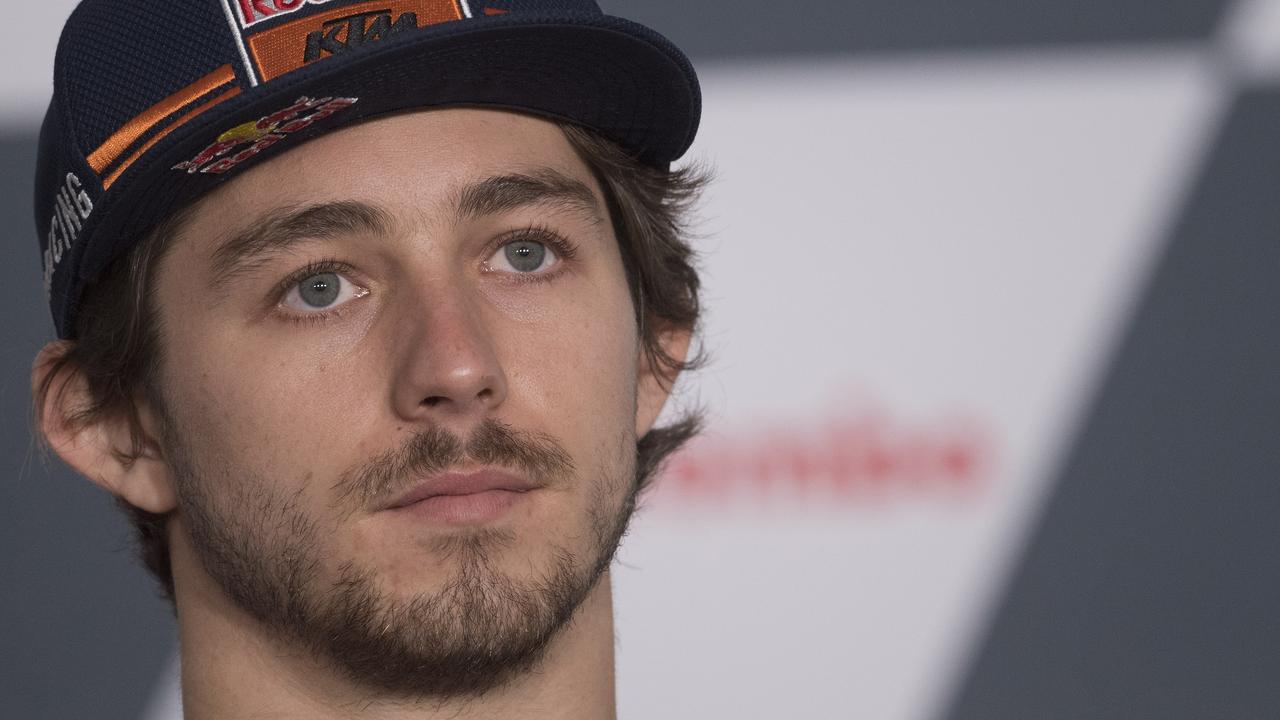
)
(434, 450)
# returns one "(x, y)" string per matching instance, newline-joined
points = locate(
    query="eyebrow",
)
(278, 230)
(544, 186)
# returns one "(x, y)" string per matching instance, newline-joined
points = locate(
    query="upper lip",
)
(459, 483)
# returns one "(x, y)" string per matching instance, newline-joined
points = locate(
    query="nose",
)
(449, 369)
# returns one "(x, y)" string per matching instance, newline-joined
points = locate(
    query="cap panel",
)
(117, 58)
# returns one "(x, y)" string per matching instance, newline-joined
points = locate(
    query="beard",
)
(477, 631)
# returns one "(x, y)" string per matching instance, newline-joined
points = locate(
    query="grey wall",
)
(82, 628)
(1152, 586)
(720, 28)
(84, 634)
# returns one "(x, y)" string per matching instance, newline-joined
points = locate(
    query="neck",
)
(232, 669)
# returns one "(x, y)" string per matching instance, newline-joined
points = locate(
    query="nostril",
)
(461, 395)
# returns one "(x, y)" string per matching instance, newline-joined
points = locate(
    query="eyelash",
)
(316, 267)
(563, 248)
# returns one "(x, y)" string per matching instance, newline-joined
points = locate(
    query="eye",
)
(523, 256)
(321, 291)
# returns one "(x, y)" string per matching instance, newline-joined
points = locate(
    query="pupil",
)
(319, 291)
(526, 256)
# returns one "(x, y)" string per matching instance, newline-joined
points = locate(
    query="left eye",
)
(523, 256)
(322, 291)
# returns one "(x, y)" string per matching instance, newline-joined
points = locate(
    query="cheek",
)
(266, 413)
(577, 365)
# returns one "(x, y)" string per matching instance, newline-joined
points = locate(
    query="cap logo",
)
(253, 12)
(261, 134)
(71, 208)
(343, 34)
(284, 48)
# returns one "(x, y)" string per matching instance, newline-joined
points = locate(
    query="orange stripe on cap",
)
(115, 174)
(115, 145)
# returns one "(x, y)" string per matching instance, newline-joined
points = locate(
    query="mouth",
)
(472, 508)
(462, 498)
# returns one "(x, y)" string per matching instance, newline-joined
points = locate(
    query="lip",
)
(459, 484)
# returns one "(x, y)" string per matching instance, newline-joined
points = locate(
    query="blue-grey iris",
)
(319, 291)
(526, 256)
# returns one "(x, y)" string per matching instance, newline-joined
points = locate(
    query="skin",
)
(437, 331)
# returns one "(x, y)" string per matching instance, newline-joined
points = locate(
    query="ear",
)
(654, 384)
(100, 448)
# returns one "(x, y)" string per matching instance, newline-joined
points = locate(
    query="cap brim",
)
(604, 72)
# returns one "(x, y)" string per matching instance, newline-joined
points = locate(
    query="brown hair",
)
(117, 353)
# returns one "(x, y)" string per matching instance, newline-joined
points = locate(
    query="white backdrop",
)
(914, 271)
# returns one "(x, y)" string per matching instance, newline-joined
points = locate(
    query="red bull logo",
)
(258, 135)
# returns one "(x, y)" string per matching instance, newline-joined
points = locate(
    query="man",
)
(367, 311)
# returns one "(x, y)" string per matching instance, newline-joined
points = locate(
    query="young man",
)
(367, 311)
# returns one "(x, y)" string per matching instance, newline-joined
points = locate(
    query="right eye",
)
(322, 291)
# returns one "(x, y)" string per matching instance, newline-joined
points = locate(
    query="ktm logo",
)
(349, 33)
(255, 11)
(285, 47)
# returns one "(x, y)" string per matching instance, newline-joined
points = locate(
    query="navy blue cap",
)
(155, 102)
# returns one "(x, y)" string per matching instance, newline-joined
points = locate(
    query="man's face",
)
(425, 294)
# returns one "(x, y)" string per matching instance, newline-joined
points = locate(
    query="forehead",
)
(414, 162)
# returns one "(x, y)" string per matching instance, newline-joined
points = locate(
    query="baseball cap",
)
(157, 102)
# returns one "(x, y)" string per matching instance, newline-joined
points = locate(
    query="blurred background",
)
(993, 307)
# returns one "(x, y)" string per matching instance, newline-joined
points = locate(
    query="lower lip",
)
(462, 509)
